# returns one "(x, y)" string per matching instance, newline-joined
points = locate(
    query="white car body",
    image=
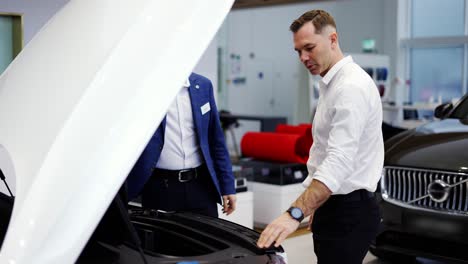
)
(79, 104)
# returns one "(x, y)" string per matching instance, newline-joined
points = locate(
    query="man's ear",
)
(333, 38)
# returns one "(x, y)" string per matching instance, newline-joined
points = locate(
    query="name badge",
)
(205, 108)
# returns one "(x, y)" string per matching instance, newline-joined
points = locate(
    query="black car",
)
(424, 190)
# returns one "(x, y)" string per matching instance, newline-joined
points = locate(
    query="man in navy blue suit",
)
(186, 165)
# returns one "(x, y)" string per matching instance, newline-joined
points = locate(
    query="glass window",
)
(431, 18)
(436, 74)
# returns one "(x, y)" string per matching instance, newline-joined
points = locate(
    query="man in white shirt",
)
(186, 165)
(346, 159)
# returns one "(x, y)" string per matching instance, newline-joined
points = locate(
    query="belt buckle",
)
(180, 175)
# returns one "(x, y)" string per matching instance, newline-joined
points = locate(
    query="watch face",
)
(296, 212)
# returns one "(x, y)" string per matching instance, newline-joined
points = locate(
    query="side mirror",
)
(442, 110)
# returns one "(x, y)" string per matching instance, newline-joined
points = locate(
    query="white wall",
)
(208, 65)
(360, 19)
(264, 32)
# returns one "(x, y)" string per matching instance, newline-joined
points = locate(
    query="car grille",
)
(408, 187)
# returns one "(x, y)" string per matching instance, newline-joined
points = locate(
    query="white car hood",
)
(78, 106)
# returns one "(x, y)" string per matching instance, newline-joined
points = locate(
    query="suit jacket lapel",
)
(163, 126)
(195, 102)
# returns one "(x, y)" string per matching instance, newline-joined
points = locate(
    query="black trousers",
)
(344, 226)
(198, 195)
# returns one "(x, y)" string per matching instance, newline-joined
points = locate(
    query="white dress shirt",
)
(348, 152)
(181, 149)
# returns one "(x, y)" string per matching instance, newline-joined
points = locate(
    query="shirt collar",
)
(187, 83)
(336, 68)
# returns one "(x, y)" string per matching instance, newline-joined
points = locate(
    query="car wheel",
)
(392, 257)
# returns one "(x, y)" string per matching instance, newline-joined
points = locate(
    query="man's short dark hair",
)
(319, 19)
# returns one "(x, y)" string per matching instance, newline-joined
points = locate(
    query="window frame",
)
(407, 42)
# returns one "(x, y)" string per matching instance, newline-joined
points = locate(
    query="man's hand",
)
(277, 231)
(312, 198)
(229, 203)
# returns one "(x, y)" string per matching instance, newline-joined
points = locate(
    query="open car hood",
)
(79, 104)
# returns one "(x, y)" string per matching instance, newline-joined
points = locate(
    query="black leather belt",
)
(357, 195)
(184, 175)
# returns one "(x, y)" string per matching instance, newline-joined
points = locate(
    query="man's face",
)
(314, 50)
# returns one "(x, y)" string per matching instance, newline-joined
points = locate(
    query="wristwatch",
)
(296, 213)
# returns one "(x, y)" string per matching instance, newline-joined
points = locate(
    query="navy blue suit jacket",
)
(210, 137)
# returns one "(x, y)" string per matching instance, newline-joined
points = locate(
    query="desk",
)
(410, 124)
(393, 114)
(421, 106)
(267, 123)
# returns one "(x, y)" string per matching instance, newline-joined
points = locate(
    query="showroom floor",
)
(300, 251)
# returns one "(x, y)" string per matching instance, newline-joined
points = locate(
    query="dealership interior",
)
(415, 51)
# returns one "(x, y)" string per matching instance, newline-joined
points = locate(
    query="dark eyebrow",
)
(305, 46)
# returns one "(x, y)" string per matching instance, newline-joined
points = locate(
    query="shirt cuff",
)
(331, 183)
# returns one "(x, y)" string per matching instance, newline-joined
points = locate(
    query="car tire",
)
(392, 257)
